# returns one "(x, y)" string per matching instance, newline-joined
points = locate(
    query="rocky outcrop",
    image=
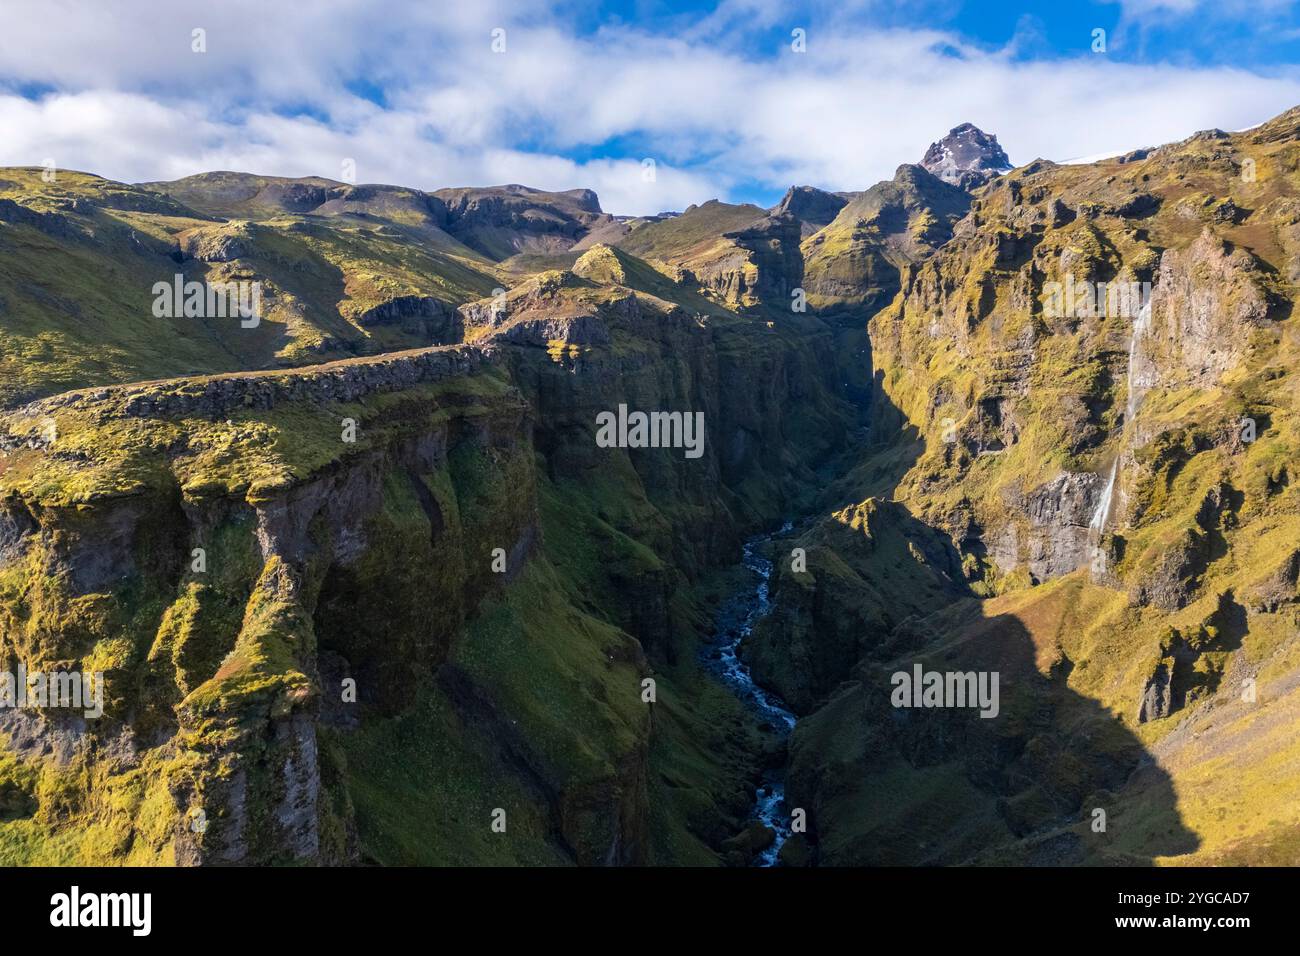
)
(1173, 567)
(967, 157)
(293, 196)
(1279, 587)
(419, 315)
(1055, 537)
(1190, 661)
(503, 220)
(1157, 695)
(814, 208)
(410, 207)
(840, 590)
(545, 311)
(774, 266)
(51, 223)
(218, 243)
(216, 396)
(1208, 301)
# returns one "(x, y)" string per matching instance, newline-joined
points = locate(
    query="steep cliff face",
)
(764, 393)
(354, 611)
(1087, 391)
(505, 220)
(1028, 389)
(814, 208)
(212, 547)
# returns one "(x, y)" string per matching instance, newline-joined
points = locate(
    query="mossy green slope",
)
(81, 257)
(997, 420)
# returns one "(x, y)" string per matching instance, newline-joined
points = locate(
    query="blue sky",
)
(584, 93)
(1259, 34)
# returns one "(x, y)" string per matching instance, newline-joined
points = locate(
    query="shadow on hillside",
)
(1039, 783)
(1044, 775)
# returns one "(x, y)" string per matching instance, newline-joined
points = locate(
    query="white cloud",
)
(283, 90)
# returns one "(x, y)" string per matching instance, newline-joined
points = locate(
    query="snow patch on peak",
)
(966, 157)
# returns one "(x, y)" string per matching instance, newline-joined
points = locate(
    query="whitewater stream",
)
(735, 621)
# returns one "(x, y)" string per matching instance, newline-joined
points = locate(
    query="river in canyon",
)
(736, 617)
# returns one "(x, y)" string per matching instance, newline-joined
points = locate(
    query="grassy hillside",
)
(1154, 649)
(81, 256)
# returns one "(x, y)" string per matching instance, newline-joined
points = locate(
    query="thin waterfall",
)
(1141, 323)
(1098, 522)
(1140, 326)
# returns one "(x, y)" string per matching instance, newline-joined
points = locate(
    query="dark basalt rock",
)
(966, 157)
(813, 207)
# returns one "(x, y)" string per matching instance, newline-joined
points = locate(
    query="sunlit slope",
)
(1146, 634)
(80, 256)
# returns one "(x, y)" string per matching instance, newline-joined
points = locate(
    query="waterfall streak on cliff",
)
(1140, 326)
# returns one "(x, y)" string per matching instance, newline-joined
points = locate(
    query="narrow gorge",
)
(363, 587)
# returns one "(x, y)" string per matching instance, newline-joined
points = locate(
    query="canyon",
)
(979, 481)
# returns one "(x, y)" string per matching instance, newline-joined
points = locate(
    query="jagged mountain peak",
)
(966, 157)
